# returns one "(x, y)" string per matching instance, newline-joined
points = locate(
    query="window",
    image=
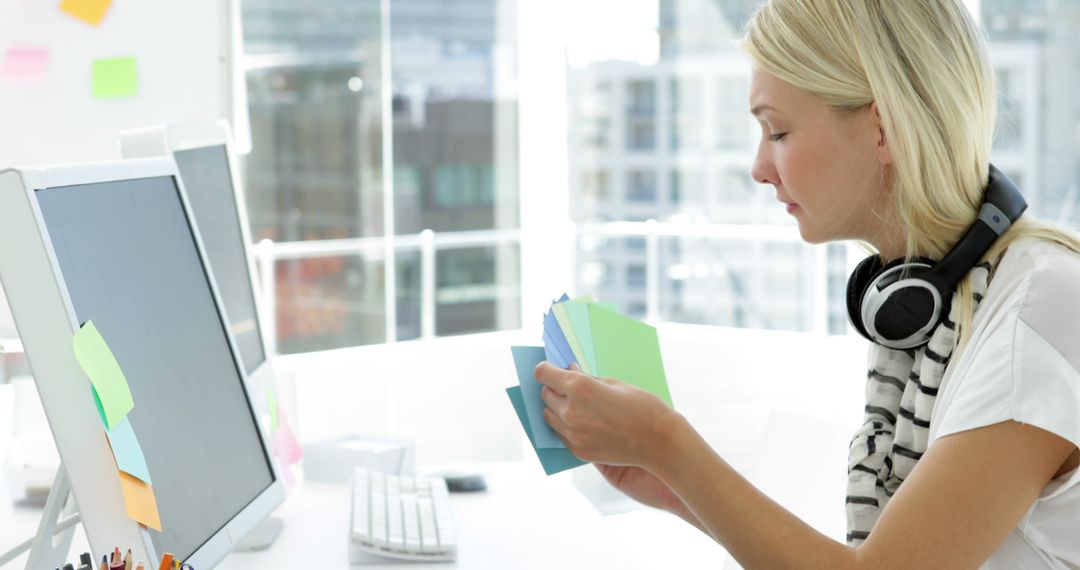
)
(641, 186)
(316, 169)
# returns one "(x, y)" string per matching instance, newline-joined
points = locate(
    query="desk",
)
(525, 520)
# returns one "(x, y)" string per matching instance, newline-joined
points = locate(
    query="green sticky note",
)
(109, 386)
(628, 350)
(115, 78)
(578, 313)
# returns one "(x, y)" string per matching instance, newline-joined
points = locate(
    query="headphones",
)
(897, 305)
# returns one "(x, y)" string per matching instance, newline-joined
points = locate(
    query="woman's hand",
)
(606, 421)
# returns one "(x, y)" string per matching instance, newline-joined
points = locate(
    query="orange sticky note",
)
(89, 11)
(140, 501)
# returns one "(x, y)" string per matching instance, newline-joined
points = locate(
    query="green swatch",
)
(628, 350)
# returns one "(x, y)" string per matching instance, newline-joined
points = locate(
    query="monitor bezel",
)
(46, 322)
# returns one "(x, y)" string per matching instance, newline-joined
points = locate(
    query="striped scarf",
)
(901, 388)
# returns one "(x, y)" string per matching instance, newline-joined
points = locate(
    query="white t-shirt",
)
(1022, 364)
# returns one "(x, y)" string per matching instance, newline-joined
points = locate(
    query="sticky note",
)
(285, 445)
(559, 309)
(525, 360)
(90, 11)
(552, 460)
(110, 387)
(272, 409)
(24, 65)
(140, 501)
(128, 452)
(628, 350)
(115, 78)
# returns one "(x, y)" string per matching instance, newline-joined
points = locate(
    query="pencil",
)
(166, 562)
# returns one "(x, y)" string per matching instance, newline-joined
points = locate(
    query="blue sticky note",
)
(558, 339)
(525, 360)
(128, 452)
(552, 460)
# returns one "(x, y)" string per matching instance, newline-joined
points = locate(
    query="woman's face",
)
(830, 170)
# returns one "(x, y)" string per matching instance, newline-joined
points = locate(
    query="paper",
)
(559, 345)
(559, 310)
(89, 11)
(578, 313)
(552, 460)
(24, 65)
(552, 354)
(525, 360)
(110, 387)
(628, 350)
(128, 452)
(285, 445)
(115, 78)
(140, 501)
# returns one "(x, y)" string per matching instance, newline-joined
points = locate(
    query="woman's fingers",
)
(554, 400)
(556, 424)
(554, 377)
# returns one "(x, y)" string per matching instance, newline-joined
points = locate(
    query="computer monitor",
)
(204, 158)
(116, 243)
(7, 322)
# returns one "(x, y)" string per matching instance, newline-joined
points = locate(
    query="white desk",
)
(524, 520)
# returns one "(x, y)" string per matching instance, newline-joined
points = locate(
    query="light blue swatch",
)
(525, 360)
(552, 460)
(128, 452)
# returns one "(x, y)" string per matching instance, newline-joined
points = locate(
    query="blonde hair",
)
(926, 64)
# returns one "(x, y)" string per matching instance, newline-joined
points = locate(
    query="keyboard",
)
(400, 517)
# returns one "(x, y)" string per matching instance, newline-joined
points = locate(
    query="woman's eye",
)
(777, 136)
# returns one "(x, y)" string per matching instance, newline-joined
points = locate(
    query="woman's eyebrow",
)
(755, 111)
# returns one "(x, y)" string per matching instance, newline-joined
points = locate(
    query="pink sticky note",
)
(24, 65)
(285, 445)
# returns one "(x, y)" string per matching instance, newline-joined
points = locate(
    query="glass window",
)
(315, 171)
(641, 186)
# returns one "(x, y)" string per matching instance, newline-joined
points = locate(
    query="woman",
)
(877, 118)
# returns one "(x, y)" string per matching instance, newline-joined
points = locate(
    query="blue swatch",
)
(558, 339)
(552, 460)
(525, 360)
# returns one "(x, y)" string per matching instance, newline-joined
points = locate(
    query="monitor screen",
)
(208, 183)
(129, 261)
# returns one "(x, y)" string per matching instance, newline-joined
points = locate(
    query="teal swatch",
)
(552, 460)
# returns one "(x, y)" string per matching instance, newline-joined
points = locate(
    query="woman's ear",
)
(884, 155)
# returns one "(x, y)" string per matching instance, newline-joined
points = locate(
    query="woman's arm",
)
(960, 502)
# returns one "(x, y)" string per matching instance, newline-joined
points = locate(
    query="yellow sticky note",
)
(110, 387)
(89, 11)
(115, 78)
(140, 501)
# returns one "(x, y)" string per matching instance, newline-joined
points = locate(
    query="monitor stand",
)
(260, 537)
(50, 547)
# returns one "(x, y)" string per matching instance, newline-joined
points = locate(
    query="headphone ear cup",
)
(857, 283)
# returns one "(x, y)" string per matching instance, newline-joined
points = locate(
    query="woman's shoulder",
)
(1037, 266)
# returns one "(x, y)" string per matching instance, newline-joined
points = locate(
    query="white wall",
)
(183, 57)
